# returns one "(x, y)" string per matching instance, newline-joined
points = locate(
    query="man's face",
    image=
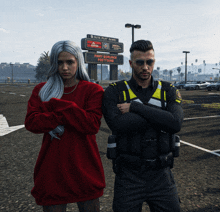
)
(142, 64)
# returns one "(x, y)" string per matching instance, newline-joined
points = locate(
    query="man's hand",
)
(124, 108)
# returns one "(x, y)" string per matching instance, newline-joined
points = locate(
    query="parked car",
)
(214, 86)
(179, 85)
(196, 85)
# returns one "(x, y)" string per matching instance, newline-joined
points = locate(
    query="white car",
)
(196, 85)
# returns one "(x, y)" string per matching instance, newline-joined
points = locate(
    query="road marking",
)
(204, 117)
(8, 130)
(203, 149)
(218, 150)
(4, 127)
(13, 93)
(3, 122)
(214, 93)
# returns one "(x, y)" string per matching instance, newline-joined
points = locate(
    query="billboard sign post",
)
(102, 50)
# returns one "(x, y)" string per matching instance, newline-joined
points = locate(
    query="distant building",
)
(205, 77)
(3, 64)
(21, 72)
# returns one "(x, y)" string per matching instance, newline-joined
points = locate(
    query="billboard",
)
(95, 45)
(103, 46)
(102, 38)
(98, 58)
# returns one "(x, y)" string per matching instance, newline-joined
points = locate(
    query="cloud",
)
(4, 30)
(40, 14)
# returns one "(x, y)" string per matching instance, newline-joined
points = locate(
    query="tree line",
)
(43, 67)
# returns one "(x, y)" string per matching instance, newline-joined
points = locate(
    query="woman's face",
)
(67, 65)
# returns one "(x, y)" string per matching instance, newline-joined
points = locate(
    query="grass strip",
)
(213, 105)
(184, 101)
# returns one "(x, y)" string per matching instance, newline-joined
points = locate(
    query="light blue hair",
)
(54, 86)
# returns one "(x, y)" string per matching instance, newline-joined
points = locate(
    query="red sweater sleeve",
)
(86, 118)
(39, 118)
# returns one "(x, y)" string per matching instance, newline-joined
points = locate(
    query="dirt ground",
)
(196, 171)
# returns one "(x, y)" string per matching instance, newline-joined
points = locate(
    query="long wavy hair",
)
(54, 86)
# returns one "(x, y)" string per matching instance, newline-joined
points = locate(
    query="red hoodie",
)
(70, 169)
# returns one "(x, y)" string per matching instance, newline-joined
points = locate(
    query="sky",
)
(28, 28)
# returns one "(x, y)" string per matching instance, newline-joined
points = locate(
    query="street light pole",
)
(186, 52)
(132, 34)
(12, 74)
(133, 26)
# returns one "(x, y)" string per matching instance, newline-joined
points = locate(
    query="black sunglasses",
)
(141, 62)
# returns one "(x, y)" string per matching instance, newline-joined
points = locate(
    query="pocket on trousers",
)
(171, 177)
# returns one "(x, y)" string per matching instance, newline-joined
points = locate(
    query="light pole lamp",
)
(133, 26)
(186, 52)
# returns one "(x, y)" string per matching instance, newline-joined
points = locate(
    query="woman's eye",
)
(70, 62)
(60, 63)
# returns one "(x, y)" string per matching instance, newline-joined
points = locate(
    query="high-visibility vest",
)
(159, 97)
(155, 99)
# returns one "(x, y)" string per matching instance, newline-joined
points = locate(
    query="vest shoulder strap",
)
(164, 88)
(124, 93)
(121, 86)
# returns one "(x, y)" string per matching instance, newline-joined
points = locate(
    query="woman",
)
(67, 109)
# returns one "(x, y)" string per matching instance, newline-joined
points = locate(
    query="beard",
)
(143, 75)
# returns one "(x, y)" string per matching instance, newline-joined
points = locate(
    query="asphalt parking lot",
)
(196, 171)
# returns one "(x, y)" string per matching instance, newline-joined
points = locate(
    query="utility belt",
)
(137, 163)
(165, 159)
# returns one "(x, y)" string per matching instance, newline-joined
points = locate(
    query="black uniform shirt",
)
(142, 115)
(143, 121)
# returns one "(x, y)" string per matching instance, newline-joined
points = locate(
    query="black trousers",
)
(156, 187)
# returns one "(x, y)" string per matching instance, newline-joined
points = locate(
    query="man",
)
(143, 115)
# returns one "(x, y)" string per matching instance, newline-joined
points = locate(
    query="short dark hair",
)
(141, 45)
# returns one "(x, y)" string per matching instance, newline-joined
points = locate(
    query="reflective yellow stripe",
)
(131, 93)
(178, 101)
(165, 96)
(154, 100)
(124, 96)
(157, 94)
(159, 84)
